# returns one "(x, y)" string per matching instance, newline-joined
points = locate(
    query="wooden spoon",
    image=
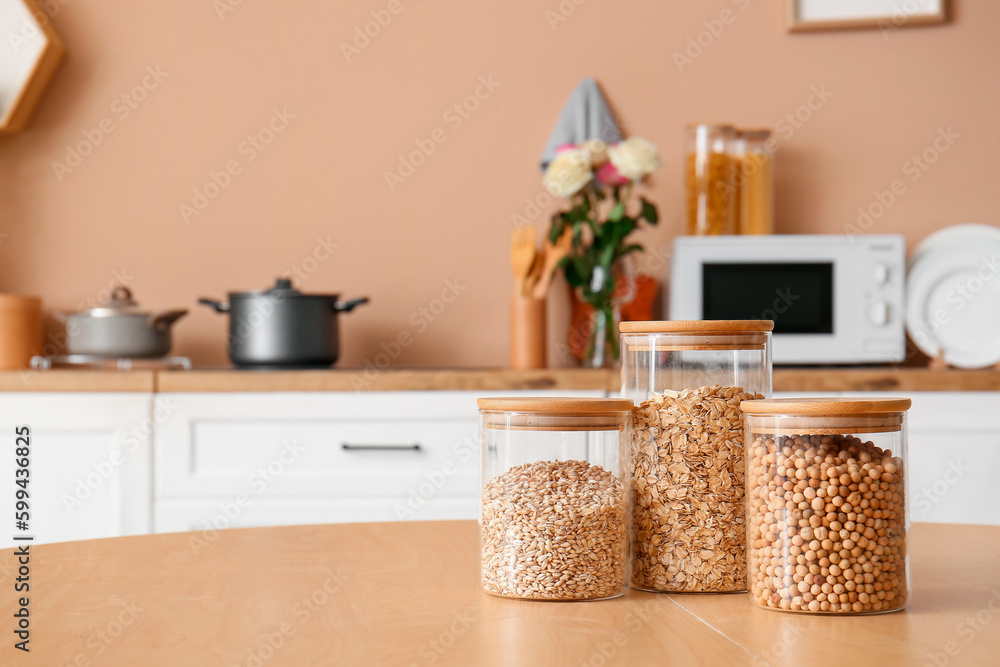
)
(553, 255)
(522, 255)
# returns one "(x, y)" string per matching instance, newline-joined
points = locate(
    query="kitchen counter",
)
(417, 379)
(855, 379)
(407, 593)
(78, 380)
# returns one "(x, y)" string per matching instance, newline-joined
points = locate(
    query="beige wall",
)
(323, 175)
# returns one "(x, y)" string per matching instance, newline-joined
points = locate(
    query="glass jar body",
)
(687, 461)
(755, 176)
(710, 180)
(827, 519)
(554, 505)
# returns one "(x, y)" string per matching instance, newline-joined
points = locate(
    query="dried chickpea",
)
(825, 525)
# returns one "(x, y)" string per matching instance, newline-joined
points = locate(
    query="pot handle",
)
(219, 306)
(348, 306)
(162, 321)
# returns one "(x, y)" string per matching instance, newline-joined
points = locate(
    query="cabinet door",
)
(90, 464)
(954, 453)
(368, 456)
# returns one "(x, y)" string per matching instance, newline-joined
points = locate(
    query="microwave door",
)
(798, 296)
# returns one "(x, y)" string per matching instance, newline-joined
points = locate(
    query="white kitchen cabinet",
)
(954, 454)
(315, 457)
(91, 473)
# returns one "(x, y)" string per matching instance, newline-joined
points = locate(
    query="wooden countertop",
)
(347, 379)
(77, 380)
(855, 379)
(408, 594)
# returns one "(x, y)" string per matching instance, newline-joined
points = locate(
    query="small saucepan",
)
(119, 328)
(282, 327)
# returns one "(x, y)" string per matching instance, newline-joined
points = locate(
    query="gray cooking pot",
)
(119, 329)
(282, 327)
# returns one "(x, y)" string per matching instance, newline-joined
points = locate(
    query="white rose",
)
(568, 172)
(634, 158)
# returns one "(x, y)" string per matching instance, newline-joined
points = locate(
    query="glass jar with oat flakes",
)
(687, 379)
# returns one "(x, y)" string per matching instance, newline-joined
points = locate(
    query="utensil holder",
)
(528, 338)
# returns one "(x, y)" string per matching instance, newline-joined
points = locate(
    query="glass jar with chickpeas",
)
(827, 516)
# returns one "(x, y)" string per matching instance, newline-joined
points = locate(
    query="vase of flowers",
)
(599, 180)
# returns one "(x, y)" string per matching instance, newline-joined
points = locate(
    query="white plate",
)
(966, 235)
(953, 303)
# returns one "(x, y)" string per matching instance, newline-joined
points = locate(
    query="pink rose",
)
(608, 175)
(565, 147)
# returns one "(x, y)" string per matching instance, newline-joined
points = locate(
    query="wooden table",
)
(408, 594)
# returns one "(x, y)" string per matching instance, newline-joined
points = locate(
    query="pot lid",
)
(282, 288)
(119, 303)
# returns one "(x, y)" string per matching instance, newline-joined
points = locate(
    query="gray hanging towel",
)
(585, 116)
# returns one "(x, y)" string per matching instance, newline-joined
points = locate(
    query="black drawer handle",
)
(415, 447)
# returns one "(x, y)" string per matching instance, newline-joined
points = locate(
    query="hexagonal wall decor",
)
(30, 53)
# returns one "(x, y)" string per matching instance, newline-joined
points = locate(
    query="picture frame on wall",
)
(887, 15)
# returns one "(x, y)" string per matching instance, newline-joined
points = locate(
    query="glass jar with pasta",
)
(755, 178)
(710, 179)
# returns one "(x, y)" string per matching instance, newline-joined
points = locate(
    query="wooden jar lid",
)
(555, 414)
(818, 407)
(696, 326)
(561, 406)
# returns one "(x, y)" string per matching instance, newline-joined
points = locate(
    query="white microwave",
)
(834, 299)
